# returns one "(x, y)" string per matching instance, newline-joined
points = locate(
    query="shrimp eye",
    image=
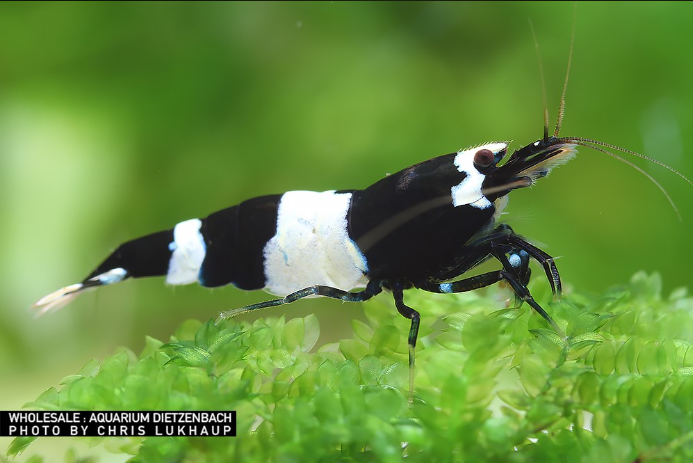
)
(483, 158)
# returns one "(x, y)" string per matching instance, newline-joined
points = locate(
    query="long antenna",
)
(632, 153)
(543, 86)
(600, 146)
(561, 108)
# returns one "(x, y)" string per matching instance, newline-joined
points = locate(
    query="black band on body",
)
(147, 256)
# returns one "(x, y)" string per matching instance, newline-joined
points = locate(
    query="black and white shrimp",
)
(423, 227)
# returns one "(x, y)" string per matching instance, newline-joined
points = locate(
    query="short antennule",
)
(543, 85)
(561, 108)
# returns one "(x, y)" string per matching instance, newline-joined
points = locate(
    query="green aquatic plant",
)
(491, 385)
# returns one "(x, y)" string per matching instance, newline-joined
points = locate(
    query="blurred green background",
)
(120, 119)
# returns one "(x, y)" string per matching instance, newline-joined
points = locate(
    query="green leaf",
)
(191, 356)
(604, 361)
(646, 286)
(370, 369)
(586, 339)
(385, 403)
(261, 336)
(353, 350)
(639, 391)
(206, 333)
(516, 399)
(585, 323)
(652, 359)
(19, 444)
(457, 320)
(625, 357)
(151, 347)
(294, 333)
(385, 339)
(533, 374)
(587, 388)
(92, 367)
(395, 375)
(284, 424)
(48, 400)
(549, 335)
(653, 426)
(362, 330)
(221, 339)
(311, 332)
